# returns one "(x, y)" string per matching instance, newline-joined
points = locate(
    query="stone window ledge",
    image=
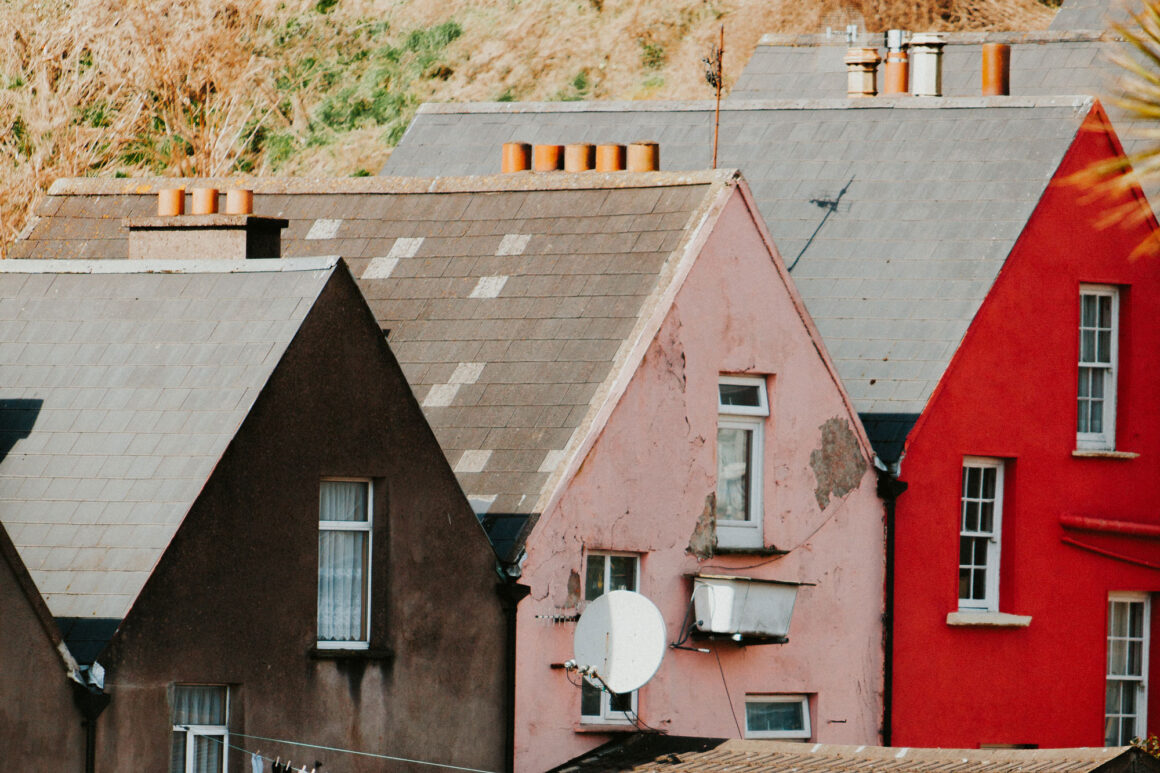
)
(987, 620)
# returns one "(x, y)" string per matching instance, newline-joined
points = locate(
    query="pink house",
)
(631, 395)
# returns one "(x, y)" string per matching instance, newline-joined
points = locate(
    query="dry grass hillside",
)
(211, 87)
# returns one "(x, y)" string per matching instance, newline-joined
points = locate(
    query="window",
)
(777, 716)
(608, 572)
(742, 408)
(201, 738)
(1127, 690)
(980, 530)
(1098, 334)
(344, 557)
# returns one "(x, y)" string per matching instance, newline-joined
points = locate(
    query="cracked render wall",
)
(647, 487)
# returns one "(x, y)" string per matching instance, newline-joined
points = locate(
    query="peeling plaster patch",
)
(380, 268)
(324, 228)
(573, 599)
(481, 503)
(472, 461)
(703, 543)
(513, 244)
(551, 461)
(405, 247)
(838, 464)
(467, 373)
(440, 395)
(488, 287)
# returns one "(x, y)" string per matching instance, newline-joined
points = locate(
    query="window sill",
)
(1091, 453)
(753, 551)
(326, 653)
(604, 727)
(970, 619)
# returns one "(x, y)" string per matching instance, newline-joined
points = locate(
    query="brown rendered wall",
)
(40, 726)
(234, 598)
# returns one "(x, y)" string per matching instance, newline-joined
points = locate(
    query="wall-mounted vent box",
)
(743, 606)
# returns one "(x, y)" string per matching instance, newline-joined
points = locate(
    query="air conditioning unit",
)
(743, 607)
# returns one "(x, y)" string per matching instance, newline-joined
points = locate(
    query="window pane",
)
(1088, 310)
(986, 517)
(1135, 619)
(620, 702)
(733, 462)
(342, 559)
(970, 516)
(199, 705)
(1105, 311)
(973, 482)
(1104, 347)
(989, 482)
(343, 500)
(772, 716)
(594, 578)
(589, 700)
(622, 575)
(177, 752)
(1117, 657)
(207, 754)
(746, 395)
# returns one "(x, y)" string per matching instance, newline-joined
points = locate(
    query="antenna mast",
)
(714, 74)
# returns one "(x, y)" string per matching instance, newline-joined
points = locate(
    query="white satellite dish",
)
(621, 639)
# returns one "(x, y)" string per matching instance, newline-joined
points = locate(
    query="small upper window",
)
(742, 408)
(980, 534)
(777, 716)
(200, 741)
(1098, 337)
(344, 558)
(608, 572)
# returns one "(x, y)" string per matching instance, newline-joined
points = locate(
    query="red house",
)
(1026, 546)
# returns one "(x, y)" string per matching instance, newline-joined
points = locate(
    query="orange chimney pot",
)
(644, 157)
(239, 201)
(205, 201)
(610, 158)
(547, 158)
(579, 157)
(517, 157)
(996, 69)
(170, 202)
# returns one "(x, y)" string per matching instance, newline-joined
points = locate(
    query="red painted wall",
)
(1011, 392)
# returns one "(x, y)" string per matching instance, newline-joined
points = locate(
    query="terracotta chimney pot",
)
(862, 72)
(896, 71)
(644, 157)
(205, 201)
(547, 158)
(996, 69)
(170, 202)
(239, 202)
(579, 157)
(517, 157)
(610, 158)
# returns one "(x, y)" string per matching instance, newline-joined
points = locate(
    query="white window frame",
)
(800, 734)
(366, 526)
(221, 732)
(1105, 440)
(994, 537)
(1140, 717)
(748, 533)
(607, 715)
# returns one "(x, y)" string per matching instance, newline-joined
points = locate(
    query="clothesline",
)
(340, 750)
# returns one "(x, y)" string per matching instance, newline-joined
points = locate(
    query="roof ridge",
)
(520, 181)
(954, 38)
(208, 266)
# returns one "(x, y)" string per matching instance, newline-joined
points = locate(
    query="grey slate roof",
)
(642, 753)
(508, 300)
(1087, 14)
(895, 215)
(122, 384)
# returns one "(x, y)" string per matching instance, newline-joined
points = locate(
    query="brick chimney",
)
(207, 235)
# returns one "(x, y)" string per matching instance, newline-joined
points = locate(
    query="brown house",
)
(229, 502)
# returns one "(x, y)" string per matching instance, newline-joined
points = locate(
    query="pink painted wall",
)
(643, 485)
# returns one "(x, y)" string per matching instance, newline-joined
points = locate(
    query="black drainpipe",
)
(889, 489)
(510, 594)
(91, 702)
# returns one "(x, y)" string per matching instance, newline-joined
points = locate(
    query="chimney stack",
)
(996, 69)
(896, 73)
(206, 234)
(517, 157)
(862, 72)
(926, 64)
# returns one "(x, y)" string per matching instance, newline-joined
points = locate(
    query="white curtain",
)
(342, 559)
(733, 474)
(204, 706)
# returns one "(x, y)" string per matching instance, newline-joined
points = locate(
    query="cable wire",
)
(727, 695)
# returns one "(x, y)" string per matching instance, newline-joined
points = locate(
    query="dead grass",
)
(209, 87)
